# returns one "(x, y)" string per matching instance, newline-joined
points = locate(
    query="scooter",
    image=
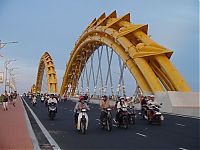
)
(52, 109)
(34, 102)
(30, 97)
(131, 115)
(106, 122)
(154, 114)
(42, 99)
(82, 124)
(123, 118)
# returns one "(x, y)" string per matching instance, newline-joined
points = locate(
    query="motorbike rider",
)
(34, 99)
(120, 104)
(150, 103)
(77, 109)
(104, 104)
(129, 102)
(52, 99)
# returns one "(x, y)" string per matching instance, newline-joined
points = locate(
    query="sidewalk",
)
(13, 129)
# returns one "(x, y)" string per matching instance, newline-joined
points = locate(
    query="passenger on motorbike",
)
(121, 104)
(151, 102)
(104, 104)
(77, 109)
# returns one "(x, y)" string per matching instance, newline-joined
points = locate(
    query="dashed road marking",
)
(178, 124)
(141, 134)
(183, 148)
(114, 125)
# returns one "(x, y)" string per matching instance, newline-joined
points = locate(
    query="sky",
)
(55, 25)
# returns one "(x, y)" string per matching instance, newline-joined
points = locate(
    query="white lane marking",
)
(44, 130)
(141, 134)
(30, 129)
(183, 148)
(178, 124)
(98, 119)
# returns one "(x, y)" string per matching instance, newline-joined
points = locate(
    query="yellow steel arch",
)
(147, 61)
(46, 64)
(33, 89)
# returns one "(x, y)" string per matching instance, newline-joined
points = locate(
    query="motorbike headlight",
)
(83, 110)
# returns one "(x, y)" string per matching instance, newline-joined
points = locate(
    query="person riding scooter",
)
(51, 100)
(150, 103)
(34, 100)
(77, 109)
(120, 104)
(104, 104)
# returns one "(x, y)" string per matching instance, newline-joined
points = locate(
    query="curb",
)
(30, 129)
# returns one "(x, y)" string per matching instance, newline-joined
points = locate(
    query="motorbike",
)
(34, 102)
(42, 99)
(106, 122)
(131, 115)
(30, 97)
(144, 111)
(52, 109)
(154, 114)
(123, 118)
(82, 124)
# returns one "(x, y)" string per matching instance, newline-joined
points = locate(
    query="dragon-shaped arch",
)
(148, 62)
(46, 64)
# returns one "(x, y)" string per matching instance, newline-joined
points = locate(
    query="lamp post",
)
(7, 62)
(11, 79)
(2, 44)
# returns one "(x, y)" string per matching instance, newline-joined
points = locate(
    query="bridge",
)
(113, 56)
(109, 49)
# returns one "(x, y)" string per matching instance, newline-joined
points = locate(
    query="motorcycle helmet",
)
(81, 98)
(152, 96)
(121, 98)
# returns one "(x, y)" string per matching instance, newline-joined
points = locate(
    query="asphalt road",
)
(175, 133)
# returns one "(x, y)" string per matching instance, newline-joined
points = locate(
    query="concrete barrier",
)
(182, 103)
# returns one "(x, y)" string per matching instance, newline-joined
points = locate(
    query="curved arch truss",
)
(46, 64)
(148, 62)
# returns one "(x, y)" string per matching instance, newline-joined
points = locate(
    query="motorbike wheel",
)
(102, 125)
(149, 121)
(159, 121)
(132, 120)
(83, 127)
(109, 124)
(125, 122)
(51, 116)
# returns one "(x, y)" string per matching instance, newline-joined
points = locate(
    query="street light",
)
(2, 44)
(7, 62)
(12, 83)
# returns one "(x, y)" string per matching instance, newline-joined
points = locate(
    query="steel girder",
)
(147, 61)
